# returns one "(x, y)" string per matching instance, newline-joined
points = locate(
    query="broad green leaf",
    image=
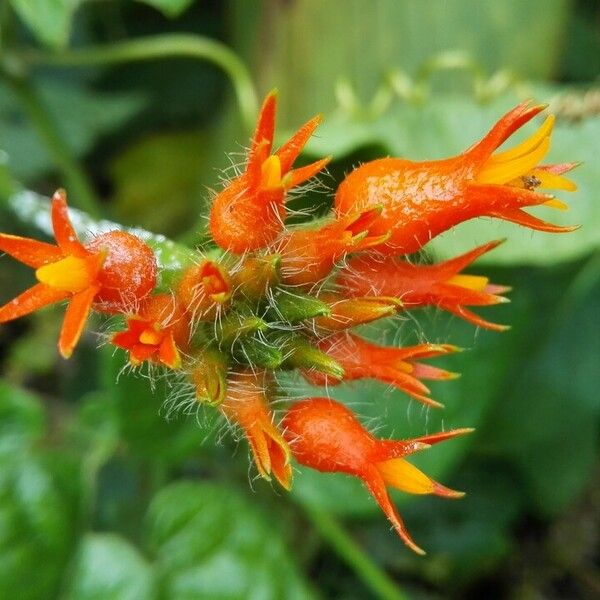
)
(21, 420)
(306, 60)
(211, 542)
(169, 8)
(548, 421)
(157, 181)
(108, 567)
(81, 116)
(49, 20)
(37, 524)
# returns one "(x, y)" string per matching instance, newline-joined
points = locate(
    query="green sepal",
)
(209, 375)
(292, 307)
(301, 354)
(258, 351)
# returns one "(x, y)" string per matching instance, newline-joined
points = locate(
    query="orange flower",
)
(361, 360)
(205, 289)
(325, 435)
(439, 285)
(423, 199)
(115, 270)
(308, 255)
(249, 213)
(155, 333)
(246, 405)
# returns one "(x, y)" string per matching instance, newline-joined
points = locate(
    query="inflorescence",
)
(268, 297)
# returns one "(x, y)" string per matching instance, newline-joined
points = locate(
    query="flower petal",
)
(75, 318)
(63, 229)
(30, 300)
(30, 252)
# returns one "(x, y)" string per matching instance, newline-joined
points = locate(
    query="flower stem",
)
(76, 179)
(349, 551)
(161, 46)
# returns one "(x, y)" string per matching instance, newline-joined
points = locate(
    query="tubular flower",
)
(81, 274)
(308, 255)
(246, 404)
(205, 289)
(325, 435)
(396, 366)
(422, 199)
(249, 213)
(440, 285)
(155, 332)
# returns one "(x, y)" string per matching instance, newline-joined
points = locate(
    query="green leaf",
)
(169, 8)
(21, 420)
(81, 116)
(548, 421)
(211, 542)
(155, 169)
(37, 525)
(49, 20)
(107, 567)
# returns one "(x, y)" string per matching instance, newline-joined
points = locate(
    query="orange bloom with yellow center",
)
(155, 333)
(309, 255)
(442, 285)
(422, 199)
(246, 404)
(81, 274)
(325, 435)
(396, 366)
(250, 212)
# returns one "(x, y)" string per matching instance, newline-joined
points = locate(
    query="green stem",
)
(349, 551)
(76, 180)
(162, 46)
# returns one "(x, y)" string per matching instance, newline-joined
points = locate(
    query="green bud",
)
(293, 307)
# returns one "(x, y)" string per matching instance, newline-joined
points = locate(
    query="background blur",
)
(102, 497)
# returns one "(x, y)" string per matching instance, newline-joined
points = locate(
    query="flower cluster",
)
(267, 297)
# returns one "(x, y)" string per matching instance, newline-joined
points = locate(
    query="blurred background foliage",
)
(132, 107)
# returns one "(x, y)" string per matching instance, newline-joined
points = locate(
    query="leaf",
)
(108, 567)
(21, 420)
(81, 116)
(169, 8)
(49, 20)
(37, 517)
(548, 421)
(210, 542)
(157, 181)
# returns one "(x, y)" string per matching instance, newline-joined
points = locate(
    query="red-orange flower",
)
(205, 289)
(155, 333)
(325, 435)
(308, 255)
(440, 285)
(422, 199)
(115, 270)
(249, 213)
(397, 366)
(246, 405)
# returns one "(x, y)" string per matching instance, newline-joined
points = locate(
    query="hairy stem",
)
(162, 46)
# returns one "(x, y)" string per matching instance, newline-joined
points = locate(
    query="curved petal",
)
(34, 298)
(74, 321)
(65, 235)
(29, 252)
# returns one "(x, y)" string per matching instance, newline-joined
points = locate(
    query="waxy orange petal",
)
(75, 317)
(29, 252)
(30, 300)
(65, 235)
